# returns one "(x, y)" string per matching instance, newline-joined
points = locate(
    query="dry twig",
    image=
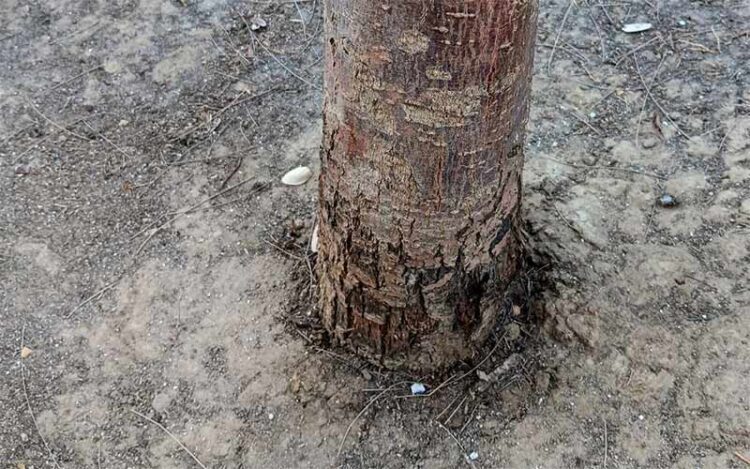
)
(93, 297)
(606, 449)
(176, 440)
(282, 64)
(611, 168)
(65, 82)
(369, 404)
(656, 103)
(742, 458)
(28, 402)
(559, 32)
(53, 123)
(182, 212)
(463, 450)
(453, 379)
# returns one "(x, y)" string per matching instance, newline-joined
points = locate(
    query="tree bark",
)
(426, 102)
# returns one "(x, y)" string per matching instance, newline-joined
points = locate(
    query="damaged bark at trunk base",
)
(426, 103)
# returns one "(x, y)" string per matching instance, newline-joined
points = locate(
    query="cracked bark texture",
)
(426, 102)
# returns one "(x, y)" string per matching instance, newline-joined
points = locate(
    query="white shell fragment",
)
(637, 27)
(418, 388)
(297, 176)
(258, 23)
(314, 240)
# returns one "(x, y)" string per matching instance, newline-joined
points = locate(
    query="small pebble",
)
(22, 170)
(258, 23)
(270, 416)
(682, 22)
(590, 160)
(649, 143)
(667, 201)
(473, 455)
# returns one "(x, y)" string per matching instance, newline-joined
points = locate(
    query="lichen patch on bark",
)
(413, 42)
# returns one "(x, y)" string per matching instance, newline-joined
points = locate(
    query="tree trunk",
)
(426, 102)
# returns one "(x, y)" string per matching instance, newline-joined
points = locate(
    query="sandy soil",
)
(145, 322)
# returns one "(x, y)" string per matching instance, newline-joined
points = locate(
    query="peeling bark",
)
(425, 109)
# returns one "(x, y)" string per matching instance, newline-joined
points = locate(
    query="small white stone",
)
(641, 417)
(473, 455)
(270, 416)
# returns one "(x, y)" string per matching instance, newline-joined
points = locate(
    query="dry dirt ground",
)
(152, 313)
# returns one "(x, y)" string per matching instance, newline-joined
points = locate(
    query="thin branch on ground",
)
(283, 251)
(585, 122)
(606, 449)
(463, 450)
(456, 409)
(636, 49)
(93, 297)
(65, 82)
(282, 64)
(369, 404)
(448, 407)
(237, 167)
(182, 212)
(22, 368)
(567, 223)
(742, 458)
(234, 48)
(176, 440)
(656, 103)
(95, 26)
(453, 379)
(645, 100)
(111, 143)
(235, 102)
(610, 168)
(599, 33)
(301, 18)
(606, 13)
(559, 32)
(53, 123)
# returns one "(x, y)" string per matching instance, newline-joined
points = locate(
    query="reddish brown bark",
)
(425, 108)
